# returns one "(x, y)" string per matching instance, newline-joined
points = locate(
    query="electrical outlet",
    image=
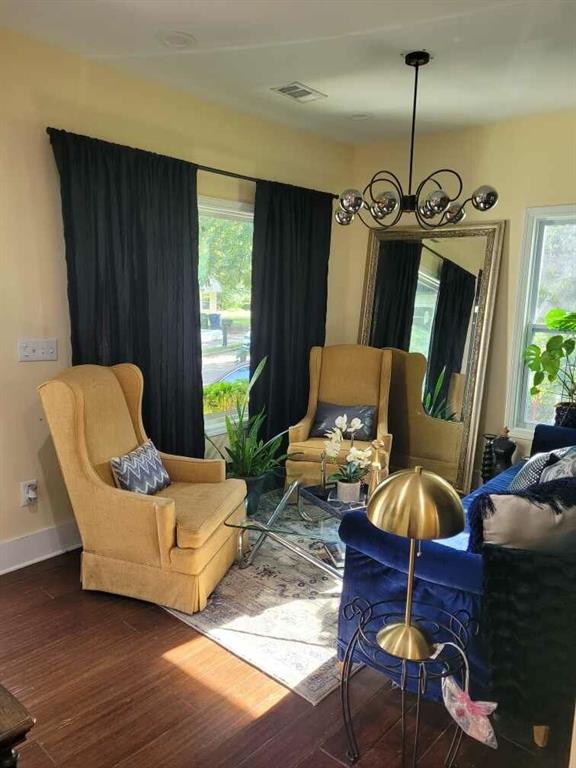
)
(34, 350)
(28, 492)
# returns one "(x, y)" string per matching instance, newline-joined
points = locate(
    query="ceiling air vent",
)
(299, 92)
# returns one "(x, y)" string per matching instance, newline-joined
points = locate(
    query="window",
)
(424, 309)
(547, 280)
(224, 274)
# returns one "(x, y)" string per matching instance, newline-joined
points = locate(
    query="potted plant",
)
(435, 405)
(247, 456)
(350, 474)
(556, 363)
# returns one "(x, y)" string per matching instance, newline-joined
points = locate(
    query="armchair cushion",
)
(141, 470)
(201, 508)
(327, 413)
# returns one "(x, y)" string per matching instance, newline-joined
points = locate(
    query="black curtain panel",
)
(395, 293)
(131, 231)
(451, 319)
(289, 289)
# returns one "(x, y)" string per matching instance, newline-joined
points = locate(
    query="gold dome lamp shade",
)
(418, 505)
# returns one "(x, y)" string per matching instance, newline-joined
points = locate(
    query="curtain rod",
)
(434, 252)
(206, 168)
(241, 176)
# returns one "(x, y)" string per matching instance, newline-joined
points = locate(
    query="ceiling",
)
(493, 59)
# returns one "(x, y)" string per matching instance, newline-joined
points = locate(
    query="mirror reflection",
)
(425, 299)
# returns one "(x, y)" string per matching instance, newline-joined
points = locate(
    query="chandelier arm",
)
(394, 221)
(431, 178)
(385, 177)
(444, 221)
(367, 223)
(423, 223)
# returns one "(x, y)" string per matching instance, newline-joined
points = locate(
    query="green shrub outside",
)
(221, 396)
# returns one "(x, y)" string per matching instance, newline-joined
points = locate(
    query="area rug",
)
(280, 614)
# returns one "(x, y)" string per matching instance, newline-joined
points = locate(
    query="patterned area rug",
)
(280, 614)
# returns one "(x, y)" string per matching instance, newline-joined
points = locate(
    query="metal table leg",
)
(273, 517)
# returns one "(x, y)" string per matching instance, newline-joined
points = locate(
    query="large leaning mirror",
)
(429, 297)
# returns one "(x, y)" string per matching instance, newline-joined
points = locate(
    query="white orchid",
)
(334, 434)
(355, 425)
(342, 423)
(362, 457)
(332, 448)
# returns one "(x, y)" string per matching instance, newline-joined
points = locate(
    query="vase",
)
(348, 492)
(565, 415)
(503, 449)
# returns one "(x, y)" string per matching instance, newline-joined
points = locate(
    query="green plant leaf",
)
(560, 320)
(555, 343)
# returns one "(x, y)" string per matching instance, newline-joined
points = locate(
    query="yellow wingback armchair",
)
(171, 548)
(419, 439)
(344, 374)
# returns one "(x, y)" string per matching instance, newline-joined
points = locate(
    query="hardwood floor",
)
(115, 683)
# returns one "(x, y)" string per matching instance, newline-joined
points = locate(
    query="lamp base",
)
(405, 641)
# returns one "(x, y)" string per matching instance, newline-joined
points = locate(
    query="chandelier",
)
(432, 205)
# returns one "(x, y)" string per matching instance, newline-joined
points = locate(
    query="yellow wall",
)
(531, 161)
(43, 86)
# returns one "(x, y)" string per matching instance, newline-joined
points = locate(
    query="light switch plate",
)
(34, 350)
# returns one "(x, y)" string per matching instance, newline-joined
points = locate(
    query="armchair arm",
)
(183, 469)
(127, 526)
(301, 431)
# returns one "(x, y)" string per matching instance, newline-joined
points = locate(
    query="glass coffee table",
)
(307, 528)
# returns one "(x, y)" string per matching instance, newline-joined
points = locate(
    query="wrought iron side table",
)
(441, 626)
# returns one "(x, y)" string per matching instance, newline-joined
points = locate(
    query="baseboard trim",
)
(38, 546)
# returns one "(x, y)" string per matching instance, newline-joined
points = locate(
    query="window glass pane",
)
(540, 408)
(225, 265)
(557, 279)
(424, 307)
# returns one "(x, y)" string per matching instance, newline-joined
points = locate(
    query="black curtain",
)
(451, 319)
(131, 231)
(289, 289)
(394, 293)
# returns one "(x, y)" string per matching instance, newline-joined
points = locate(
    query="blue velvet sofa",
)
(446, 576)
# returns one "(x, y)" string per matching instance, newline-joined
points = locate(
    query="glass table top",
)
(306, 523)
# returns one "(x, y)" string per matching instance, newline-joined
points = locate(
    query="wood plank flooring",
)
(116, 683)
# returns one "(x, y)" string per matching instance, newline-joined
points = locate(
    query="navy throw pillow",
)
(141, 470)
(327, 413)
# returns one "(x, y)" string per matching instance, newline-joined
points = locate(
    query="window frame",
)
(222, 209)
(535, 221)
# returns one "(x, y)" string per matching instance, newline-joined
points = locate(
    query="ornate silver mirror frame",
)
(494, 236)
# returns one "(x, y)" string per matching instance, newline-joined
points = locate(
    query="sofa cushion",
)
(327, 413)
(542, 517)
(519, 523)
(565, 467)
(531, 472)
(140, 471)
(202, 507)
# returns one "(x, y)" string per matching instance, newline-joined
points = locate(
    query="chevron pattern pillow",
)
(141, 470)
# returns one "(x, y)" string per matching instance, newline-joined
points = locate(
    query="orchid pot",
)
(348, 492)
